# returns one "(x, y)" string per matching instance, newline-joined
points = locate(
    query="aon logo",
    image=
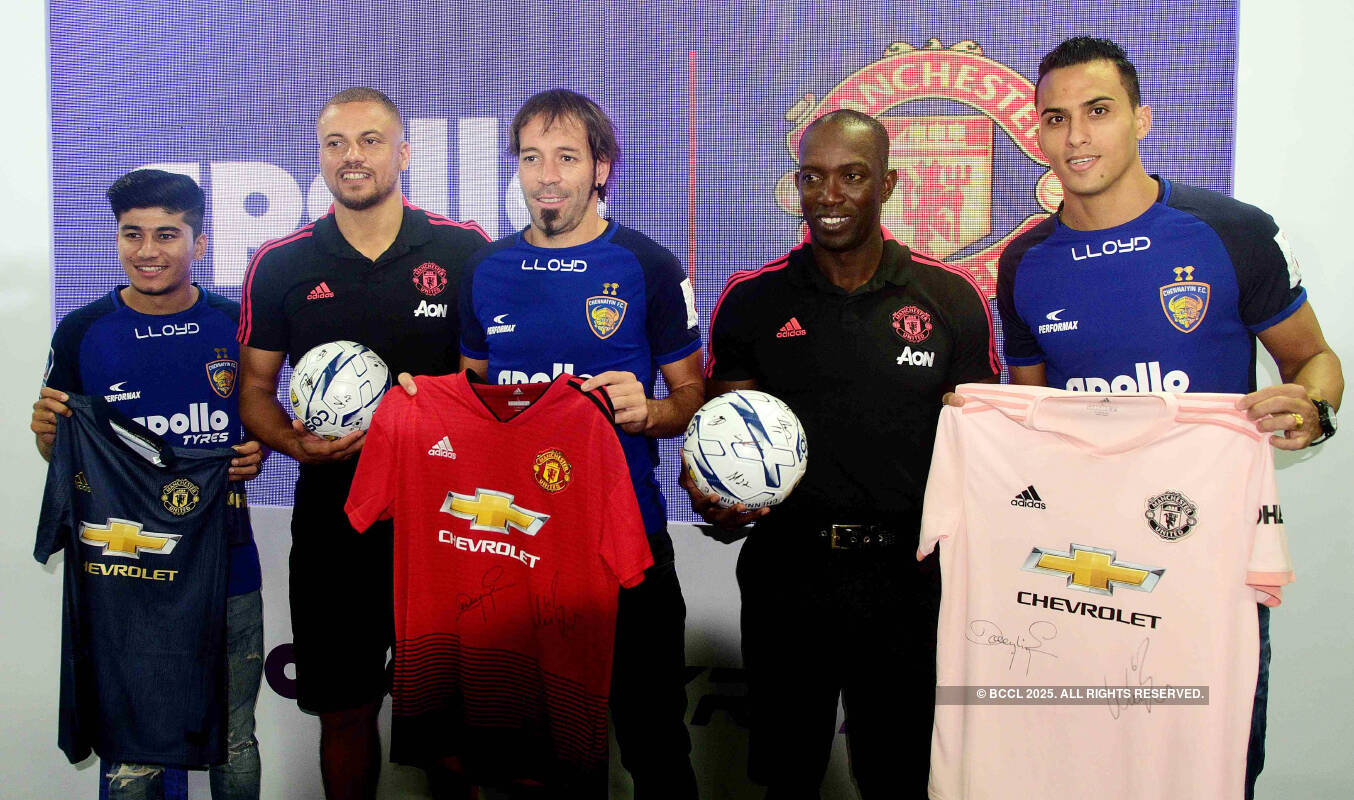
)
(426, 309)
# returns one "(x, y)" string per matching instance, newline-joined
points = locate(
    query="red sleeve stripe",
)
(438, 219)
(734, 280)
(247, 288)
(982, 300)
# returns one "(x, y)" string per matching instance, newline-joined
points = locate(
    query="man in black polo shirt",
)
(861, 337)
(378, 271)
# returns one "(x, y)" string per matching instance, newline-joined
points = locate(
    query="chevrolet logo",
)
(124, 538)
(1092, 569)
(493, 511)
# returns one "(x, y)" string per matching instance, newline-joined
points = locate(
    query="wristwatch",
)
(1326, 416)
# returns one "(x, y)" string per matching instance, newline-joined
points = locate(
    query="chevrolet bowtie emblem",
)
(493, 511)
(123, 537)
(1093, 569)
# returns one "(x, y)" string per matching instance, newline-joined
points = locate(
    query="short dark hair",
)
(365, 94)
(155, 188)
(1085, 49)
(552, 104)
(851, 118)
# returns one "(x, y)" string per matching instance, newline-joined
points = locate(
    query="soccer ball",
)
(335, 388)
(747, 447)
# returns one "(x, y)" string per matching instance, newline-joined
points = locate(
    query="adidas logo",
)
(1029, 499)
(791, 328)
(320, 292)
(443, 449)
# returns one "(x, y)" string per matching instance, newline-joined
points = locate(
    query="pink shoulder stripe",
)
(735, 279)
(993, 359)
(445, 221)
(247, 288)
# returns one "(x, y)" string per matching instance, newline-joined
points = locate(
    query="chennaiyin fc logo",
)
(605, 315)
(1185, 300)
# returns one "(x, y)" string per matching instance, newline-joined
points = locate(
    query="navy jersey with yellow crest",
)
(144, 527)
(618, 302)
(1170, 301)
(173, 373)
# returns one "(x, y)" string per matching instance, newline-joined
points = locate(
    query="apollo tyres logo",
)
(942, 206)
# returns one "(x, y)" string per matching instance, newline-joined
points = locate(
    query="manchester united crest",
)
(605, 314)
(430, 279)
(943, 204)
(912, 323)
(552, 470)
(1171, 515)
(221, 374)
(180, 496)
(1185, 300)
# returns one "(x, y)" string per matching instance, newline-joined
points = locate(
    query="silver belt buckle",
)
(836, 533)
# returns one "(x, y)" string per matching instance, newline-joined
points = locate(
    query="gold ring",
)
(1298, 419)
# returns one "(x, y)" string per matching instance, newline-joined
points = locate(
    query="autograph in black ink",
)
(1028, 644)
(484, 601)
(1135, 676)
(547, 611)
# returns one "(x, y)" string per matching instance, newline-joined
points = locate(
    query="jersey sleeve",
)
(943, 508)
(63, 360)
(263, 323)
(474, 341)
(730, 346)
(1269, 568)
(1018, 343)
(56, 519)
(1269, 278)
(975, 353)
(624, 547)
(375, 483)
(673, 328)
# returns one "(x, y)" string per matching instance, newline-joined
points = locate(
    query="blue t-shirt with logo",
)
(1170, 301)
(618, 302)
(173, 373)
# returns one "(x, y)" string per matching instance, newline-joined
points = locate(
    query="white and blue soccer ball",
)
(336, 386)
(747, 447)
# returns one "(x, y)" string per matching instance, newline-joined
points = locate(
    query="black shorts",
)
(342, 613)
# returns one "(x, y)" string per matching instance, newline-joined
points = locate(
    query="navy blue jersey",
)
(1170, 301)
(144, 527)
(173, 373)
(618, 302)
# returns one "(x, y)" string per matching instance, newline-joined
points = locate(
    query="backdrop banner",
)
(710, 102)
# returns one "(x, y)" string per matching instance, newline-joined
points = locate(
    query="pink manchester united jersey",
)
(1101, 559)
(515, 525)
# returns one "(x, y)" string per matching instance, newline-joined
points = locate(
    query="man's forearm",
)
(1322, 377)
(670, 415)
(265, 420)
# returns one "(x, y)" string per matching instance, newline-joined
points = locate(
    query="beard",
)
(364, 202)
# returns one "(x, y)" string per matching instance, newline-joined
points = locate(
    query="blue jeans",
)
(238, 777)
(1255, 753)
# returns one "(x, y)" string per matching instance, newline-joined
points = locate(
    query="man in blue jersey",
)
(162, 350)
(1141, 284)
(576, 292)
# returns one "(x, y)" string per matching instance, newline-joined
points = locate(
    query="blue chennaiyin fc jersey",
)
(1170, 301)
(144, 527)
(618, 302)
(173, 373)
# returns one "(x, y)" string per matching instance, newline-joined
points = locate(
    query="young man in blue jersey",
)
(155, 349)
(1141, 284)
(576, 292)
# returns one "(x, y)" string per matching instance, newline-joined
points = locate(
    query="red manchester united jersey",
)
(515, 525)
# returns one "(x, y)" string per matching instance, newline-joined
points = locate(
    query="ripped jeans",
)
(238, 778)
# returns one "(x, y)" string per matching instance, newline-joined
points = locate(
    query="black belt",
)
(840, 536)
